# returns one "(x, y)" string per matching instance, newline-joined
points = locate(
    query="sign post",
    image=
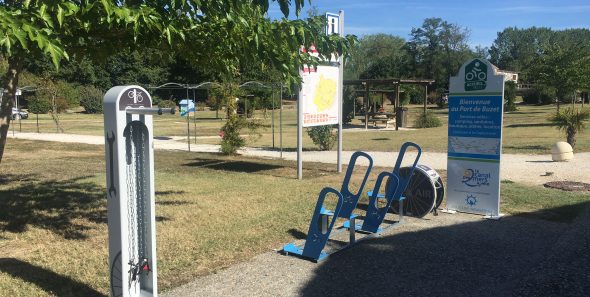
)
(320, 95)
(476, 105)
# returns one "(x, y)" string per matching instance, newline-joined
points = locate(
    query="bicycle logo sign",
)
(137, 96)
(476, 75)
(134, 97)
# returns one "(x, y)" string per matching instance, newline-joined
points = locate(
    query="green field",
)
(212, 212)
(525, 131)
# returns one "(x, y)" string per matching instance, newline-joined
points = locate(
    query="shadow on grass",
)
(8, 178)
(297, 234)
(381, 139)
(526, 147)
(52, 205)
(515, 256)
(234, 166)
(166, 193)
(173, 202)
(47, 280)
(526, 112)
(530, 125)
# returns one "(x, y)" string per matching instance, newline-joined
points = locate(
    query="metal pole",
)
(195, 115)
(299, 134)
(272, 114)
(398, 117)
(281, 121)
(366, 104)
(188, 123)
(340, 97)
(425, 98)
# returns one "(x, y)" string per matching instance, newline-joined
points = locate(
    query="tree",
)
(563, 66)
(510, 96)
(225, 32)
(376, 56)
(437, 50)
(571, 121)
(515, 49)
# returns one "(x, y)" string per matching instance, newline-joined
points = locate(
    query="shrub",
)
(427, 120)
(167, 104)
(571, 121)
(61, 104)
(214, 102)
(322, 136)
(91, 99)
(39, 106)
(201, 106)
(156, 100)
(539, 95)
(231, 140)
(67, 93)
(349, 99)
(510, 96)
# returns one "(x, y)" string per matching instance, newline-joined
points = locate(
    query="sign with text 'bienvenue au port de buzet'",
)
(476, 104)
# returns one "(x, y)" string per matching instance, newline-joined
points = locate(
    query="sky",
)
(483, 19)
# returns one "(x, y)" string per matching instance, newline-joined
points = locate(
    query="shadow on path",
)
(514, 256)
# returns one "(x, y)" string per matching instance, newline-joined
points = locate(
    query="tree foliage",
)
(555, 59)
(510, 96)
(437, 50)
(216, 35)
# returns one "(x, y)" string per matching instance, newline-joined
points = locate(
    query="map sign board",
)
(319, 95)
(476, 104)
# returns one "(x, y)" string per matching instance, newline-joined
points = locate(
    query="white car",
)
(19, 114)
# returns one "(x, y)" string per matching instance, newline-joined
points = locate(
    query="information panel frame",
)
(476, 108)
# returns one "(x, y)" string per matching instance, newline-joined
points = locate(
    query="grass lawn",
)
(525, 131)
(212, 212)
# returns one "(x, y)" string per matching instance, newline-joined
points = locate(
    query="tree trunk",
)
(10, 84)
(571, 137)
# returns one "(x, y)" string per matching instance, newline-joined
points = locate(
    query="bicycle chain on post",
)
(137, 202)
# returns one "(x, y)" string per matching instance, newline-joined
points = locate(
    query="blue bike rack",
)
(375, 215)
(350, 199)
(319, 230)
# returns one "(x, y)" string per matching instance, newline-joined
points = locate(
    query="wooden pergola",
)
(397, 82)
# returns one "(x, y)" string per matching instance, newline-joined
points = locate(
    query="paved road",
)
(529, 169)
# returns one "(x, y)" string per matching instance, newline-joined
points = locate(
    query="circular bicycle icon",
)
(137, 96)
(471, 75)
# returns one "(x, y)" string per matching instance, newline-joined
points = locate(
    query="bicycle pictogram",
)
(476, 72)
(137, 96)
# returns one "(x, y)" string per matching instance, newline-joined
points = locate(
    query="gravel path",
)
(528, 169)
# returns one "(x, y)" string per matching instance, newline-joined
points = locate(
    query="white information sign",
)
(476, 104)
(332, 23)
(319, 95)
